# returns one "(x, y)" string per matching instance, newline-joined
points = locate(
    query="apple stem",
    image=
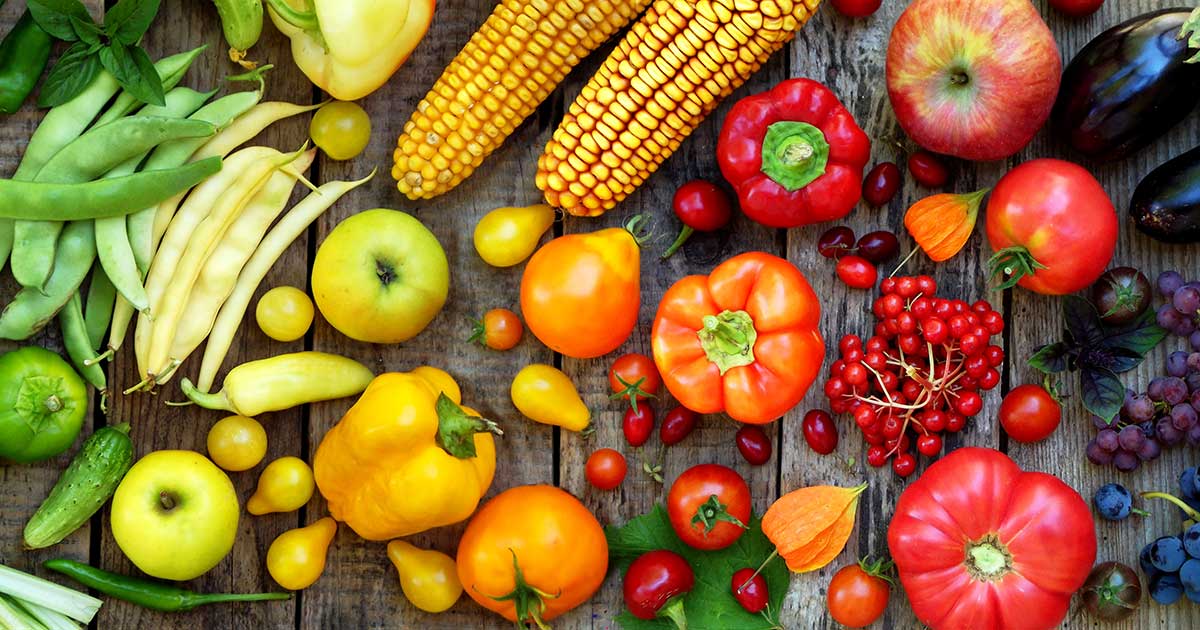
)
(166, 501)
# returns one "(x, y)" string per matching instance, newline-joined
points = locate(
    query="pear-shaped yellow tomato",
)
(429, 579)
(506, 236)
(237, 443)
(546, 395)
(296, 558)
(285, 485)
(580, 293)
(284, 313)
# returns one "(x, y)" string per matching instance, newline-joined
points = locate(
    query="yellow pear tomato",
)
(428, 578)
(506, 236)
(284, 313)
(546, 395)
(286, 484)
(296, 559)
(237, 443)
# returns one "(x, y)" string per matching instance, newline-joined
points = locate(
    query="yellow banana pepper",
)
(349, 48)
(406, 457)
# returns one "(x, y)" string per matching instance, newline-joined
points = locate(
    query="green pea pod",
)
(23, 56)
(98, 308)
(79, 348)
(30, 310)
(170, 72)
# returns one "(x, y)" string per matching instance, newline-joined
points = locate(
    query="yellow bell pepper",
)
(406, 457)
(349, 48)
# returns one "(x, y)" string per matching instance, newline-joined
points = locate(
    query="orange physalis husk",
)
(941, 224)
(810, 526)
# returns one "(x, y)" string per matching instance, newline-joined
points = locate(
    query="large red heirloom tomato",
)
(980, 544)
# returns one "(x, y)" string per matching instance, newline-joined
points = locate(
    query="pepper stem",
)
(684, 235)
(218, 401)
(794, 154)
(728, 339)
(1012, 264)
(305, 20)
(53, 404)
(674, 611)
(456, 429)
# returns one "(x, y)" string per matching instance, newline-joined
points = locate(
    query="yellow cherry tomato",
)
(429, 579)
(296, 558)
(342, 129)
(546, 395)
(506, 236)
(285, 485)
(237, 443)
(284, 313)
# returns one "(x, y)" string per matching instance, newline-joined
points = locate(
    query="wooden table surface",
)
(359, 588)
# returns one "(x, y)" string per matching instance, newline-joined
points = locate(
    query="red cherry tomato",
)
(703, 207)
(857, 8)
(881, 184)
(655, 585)
(820, 432)
(709, 506)
(1077, 8)
(677, 425)
(605, 469)
(634, 377)
(1029, 413)
(857, 272)
(857, 596)
(750, 592)
(928, 169)
(753, 444)
(638, 425)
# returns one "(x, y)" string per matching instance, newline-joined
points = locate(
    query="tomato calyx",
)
(529, 600)
(988, 559)
(794, 154)
(728, 339)
(633, 391)
(456, 429)
(881, 568)
(712, 512)
(1011, 264)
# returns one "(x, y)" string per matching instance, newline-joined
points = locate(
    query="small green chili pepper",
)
(150, 594)
(43, 403)
(23, 56)
(79, 347)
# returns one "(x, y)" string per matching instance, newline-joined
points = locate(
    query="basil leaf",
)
(134, 71)
(74, 71)
(1051, 359)
(1082, 320)
(1102, 392)
(1139, 337)
(1121, 361)
(87, 31)
(128, 20)
(54, 16)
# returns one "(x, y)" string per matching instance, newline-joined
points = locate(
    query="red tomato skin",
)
(1029, 413)
(1062, 215)
(1077, 8)
(605, 469)
(692, 489)
(975, 494)
(856, 598)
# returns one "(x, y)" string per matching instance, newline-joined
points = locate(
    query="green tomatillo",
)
(42, 405)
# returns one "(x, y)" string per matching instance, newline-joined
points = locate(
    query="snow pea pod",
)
(75, 338)
(23, 56)
(170, 72)
(30, 310)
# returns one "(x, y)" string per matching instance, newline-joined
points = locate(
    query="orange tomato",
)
(498, 329)
(533, 546)
(580, 293)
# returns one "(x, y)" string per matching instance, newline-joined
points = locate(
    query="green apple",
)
(175, 515)
(380, 276)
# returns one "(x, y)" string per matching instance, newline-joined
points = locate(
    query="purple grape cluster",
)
(1181, 313)
(1165, 415)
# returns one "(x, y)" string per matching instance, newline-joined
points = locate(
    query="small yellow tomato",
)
(296, 559)
(546, 395)
(237, 443)
(285, 485)
(342, 129)
(506, 236)
(284, 313)
(429, 579)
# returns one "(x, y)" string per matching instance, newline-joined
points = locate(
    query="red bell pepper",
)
(794, 154)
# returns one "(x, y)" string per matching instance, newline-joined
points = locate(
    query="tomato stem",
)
(528, 600)
(712, 512)
(988, 559)
(1012, 264)
(633, 391)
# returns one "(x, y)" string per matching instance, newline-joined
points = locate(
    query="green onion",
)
(71, 603)
(52, 619)
(14, 617)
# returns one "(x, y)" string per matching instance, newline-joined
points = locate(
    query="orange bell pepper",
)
(742, 340)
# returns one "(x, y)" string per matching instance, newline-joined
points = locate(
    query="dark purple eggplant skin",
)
(1127, 87)
(1166, 204)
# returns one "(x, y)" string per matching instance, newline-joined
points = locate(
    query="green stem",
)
(53, 404)
(456, 429)
(218, 401)
(988, 559)
(1012, 264)
(305, 20)
(1191, 32)
(684, 235)
(1187, 509)
(201, 599)
(674, 611)
(528, 600)
(728, 339)
(794, 154)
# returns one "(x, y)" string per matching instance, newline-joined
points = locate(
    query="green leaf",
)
(1102, 392)
(1082, 321)
(54, 16)
(73, 72)
(87, 31)
(134, 71)
(710, 605)
(1139, 337)
(128, 20)
(1122, 362)
(1051, 359)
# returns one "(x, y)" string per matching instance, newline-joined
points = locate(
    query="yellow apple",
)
(380, 276)
(175, 515)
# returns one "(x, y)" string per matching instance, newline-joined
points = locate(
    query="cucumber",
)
(83, 488)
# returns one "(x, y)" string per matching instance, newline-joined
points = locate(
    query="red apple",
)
(974, 79)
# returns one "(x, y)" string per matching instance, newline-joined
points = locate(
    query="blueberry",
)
(1187, 483)
(1166, 554)
(1113, 501)
(1144, 562)
(1189, 575)
(1191, 541)
(1165, 588)
(1193, 596)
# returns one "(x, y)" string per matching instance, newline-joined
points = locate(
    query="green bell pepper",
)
(43, 403)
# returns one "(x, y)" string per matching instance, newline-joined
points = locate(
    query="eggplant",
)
(1129, 85)
(1166, 204)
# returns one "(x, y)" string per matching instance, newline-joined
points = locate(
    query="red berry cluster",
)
(920, 373)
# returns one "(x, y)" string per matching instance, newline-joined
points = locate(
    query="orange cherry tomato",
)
(499, 329)
(858, 595)
(580, 293)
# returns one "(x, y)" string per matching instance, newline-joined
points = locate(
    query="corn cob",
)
(510, 65)
(668, 73)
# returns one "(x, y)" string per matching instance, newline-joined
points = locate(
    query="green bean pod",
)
(79, 347)
(23, 56)
(30, 310)
(170, 72)
(98, 308)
